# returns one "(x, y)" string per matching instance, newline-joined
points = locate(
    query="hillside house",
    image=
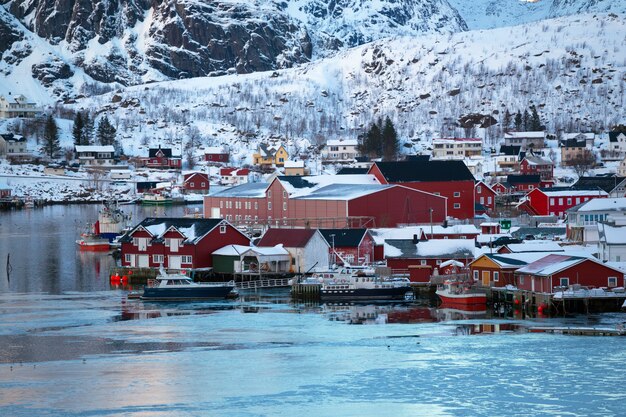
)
(573, 151)
(556, 271)
(509, 157)
(217, 154)
(583, 219)
(537, 165)
(613, 185)
(269, 156)
(457, 148)
(177, 243)
(617, 142)
(294, 168)
(325, 201)
(621, 169)
(527, 140)
(196, 182)
(161, 158)
(95, 156)
(13, 146)
(340, 150)
(485, 197)
(589, 138)
(450, 179)
(307, 247)
(17, 106)
(234, 176)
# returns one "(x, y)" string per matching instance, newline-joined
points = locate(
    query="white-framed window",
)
(569, 201)
(269, 205)
(612, 282)
(284, 194)
(256, 205)
(438, 262)
(482, 200)
(284, 206)
(489, 200)
(457, 205)
(577, 200)
(191, 184)
(496, 276)
(128, 258)
(158, 259)
(521, 280)
(478, 189)
(222, 228)
(560, 201)
(221, 204)
(552, 201)
(135, 241)
(203, 184)
(422, 261)
(564, 282)
(186, 259)
(531, 187)
(475, 275)
(457, 194)
(269, 194)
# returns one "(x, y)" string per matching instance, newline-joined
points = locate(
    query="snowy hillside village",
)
(469, 168)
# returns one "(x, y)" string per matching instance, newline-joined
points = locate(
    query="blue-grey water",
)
(72, 345)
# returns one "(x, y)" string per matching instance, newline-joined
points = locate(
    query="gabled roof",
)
(437, 248)
(600, 204)
(573, 143)
(94, 148)
(535, 246)
(193, 229)
(418, 171)
(188, 176)
(266, 150)
(528, 135)
(523, 179)
(247, 190)
(550, 264)
(512, 260)
(611, 235)
(605, 183)
(537, 160)
(152, 152)
(613, 136)
(352, 171)
(342, 238)
(289, 238)
(586, 135)
(342, 142)
(10, 137)
(510, 150)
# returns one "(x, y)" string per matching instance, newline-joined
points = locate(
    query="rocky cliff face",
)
(137, 41)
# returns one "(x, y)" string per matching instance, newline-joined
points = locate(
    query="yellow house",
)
(270, 155)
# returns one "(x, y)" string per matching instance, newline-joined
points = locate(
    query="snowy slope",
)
(571, 68)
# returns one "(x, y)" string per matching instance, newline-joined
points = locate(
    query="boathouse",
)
(307, 247)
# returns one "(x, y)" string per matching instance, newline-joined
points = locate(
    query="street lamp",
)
(332, 237)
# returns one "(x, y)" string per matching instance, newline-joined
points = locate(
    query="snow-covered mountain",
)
(572, 69)
(132, 42)
(489, 14)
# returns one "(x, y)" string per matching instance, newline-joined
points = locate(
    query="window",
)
(222, 228)
(269, 205)
(457, 205)
(256, 205)
(612, 281)
(482, 200)
(438, 262)
(489, 200)
(284, 194)
(157, 259)
(496, 276)
(531, 187)
(186, 259)
(560, 201)
(577, 200)
(457, 194)
(564, 282)
(269, 194)
(422, 261)
(476, 275)
(135, 241)
(478, 189)
(521, 280)
(221, 204)
(203, 184)
(127, 258)
(552, 201)
(569, 201)
(191, 184)
(284, 206)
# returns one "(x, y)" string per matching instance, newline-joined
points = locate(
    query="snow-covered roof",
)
(521, 135)
(231, 250)
(515, 260)
(535, 246)
(215, 150)
(436, 248)
(489, 224)
(587, 135)
(294, 164)
(537, 160)
(248, 190)
(575, 193)
(612, 235)
(94, 148)
(342, 142)
(486, 238)
(451, 262)
(343, 192)
(550, 264)
(457, 140)
(384, 233)
(602, 204)
(297, 186)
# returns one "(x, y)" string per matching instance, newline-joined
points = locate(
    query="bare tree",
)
(583, 163)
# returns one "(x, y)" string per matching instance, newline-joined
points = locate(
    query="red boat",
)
(461, 294)
(92, 242)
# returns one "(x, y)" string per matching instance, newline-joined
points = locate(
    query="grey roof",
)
(343, 191)
(247, 190)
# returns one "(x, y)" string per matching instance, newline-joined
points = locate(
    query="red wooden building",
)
(501, 188)
(555, 270)
(177, 243)
(450, 179)
(161, 158)
(537, 165)
(522, 183)
(325, 201)
(217, 155)
(554, 202)
(5, 192)
(350, 246)
(196, 182)
(484, 197)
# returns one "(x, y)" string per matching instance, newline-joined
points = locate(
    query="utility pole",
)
(431, 222)
(332, 237)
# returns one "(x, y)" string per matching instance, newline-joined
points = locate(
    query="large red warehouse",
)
(451, 179)
(326, 201)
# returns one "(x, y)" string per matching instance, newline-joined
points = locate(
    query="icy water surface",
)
(72, 345)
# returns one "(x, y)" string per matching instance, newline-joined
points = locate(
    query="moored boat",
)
(92, 242)
(180, 287)
(364, 287)
(112, 221)
(461, 294)
(156, 199)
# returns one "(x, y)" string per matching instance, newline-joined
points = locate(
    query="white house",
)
(308, 249)
(617, 142)
(456, 148)
(588, 138)
(17, 106)
(12, 145)
(534, 140)
(94, 156)
(582, 220)
(611, 243)
(340, 149)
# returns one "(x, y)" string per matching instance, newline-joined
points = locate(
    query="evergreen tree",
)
(78, 130)
(389, 141)
(51, 144)
(105, 134)
(87, 129)
(535, 120)
(525, 120)
(373, 141)
(519, 123)
(506, 121)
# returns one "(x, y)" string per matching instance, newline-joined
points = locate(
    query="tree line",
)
(380, 141)
(83, 132)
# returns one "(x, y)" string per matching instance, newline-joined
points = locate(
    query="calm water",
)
(72, 346)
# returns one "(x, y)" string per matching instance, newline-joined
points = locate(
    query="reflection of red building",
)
(411, 315)
(450, 179)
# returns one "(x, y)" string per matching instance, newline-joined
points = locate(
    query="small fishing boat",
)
(180, 287)
(92, 242)
(112, 221)
(364, 287)
(462, 294)
(156, 199)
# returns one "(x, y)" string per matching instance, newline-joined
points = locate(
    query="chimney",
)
(415, 239)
